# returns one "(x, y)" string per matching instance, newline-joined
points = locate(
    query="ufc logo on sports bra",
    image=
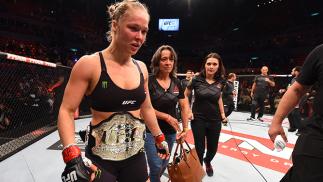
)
(70, 177)
(127, 102)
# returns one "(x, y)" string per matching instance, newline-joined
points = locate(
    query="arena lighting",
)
(254, 58)
(235, 29)
(315, 14)
(268, 2)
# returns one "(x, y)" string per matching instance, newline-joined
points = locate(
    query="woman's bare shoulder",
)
(88, 61)
(87, 64)
(143, 66)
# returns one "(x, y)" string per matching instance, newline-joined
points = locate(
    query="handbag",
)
(186, 166)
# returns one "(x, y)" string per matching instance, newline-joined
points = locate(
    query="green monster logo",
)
(104, 84)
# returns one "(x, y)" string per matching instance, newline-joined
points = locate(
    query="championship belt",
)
(119, 137)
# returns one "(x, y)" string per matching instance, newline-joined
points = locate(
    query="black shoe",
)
(291, 129)
(208, 168)
(251, 119)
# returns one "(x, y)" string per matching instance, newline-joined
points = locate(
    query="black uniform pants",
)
(258, 101)
(209, 131)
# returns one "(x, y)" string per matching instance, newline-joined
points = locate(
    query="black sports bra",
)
(108, 97)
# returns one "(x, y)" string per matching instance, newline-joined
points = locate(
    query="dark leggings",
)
(209, 130)
(131, 169)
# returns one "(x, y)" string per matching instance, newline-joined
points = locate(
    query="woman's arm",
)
(76, 88)
(168, 118)
(185, 111)
(187, 94)
(74, 92)
(221, 108)
(147, 110)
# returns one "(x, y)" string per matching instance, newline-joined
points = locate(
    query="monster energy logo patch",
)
(104, 84)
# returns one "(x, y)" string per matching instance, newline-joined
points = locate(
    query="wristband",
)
(69, 145)
(185, 129)
(70, 152)
(159, 138)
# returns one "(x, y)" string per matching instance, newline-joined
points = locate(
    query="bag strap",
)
(175, 153)
(188, 146)
(182, 152)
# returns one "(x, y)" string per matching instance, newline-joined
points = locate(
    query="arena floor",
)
(254, 161)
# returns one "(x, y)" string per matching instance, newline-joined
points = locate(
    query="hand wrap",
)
(77, 169)
(161, 144)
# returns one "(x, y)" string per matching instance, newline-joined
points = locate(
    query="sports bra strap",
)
(103, 67)
(136, 63)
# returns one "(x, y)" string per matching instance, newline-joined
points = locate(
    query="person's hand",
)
(225, 121)
(77, 168)
(224, 118)
(173, 122)
(276, 129)
(182, 135)
(190, 116)
(162, 146)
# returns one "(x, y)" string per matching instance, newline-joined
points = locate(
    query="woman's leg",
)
(213, 130)
(154, 162)
(134, 169)
(198, 129)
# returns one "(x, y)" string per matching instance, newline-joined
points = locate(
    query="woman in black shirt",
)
(208, 110)
(166, 92)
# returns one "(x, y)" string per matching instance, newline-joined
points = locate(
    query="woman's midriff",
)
(98, 116)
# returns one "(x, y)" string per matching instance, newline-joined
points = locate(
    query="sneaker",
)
(208, 168)
(251, 119)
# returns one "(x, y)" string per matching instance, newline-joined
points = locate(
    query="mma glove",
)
(77, 168)
(161, 144)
